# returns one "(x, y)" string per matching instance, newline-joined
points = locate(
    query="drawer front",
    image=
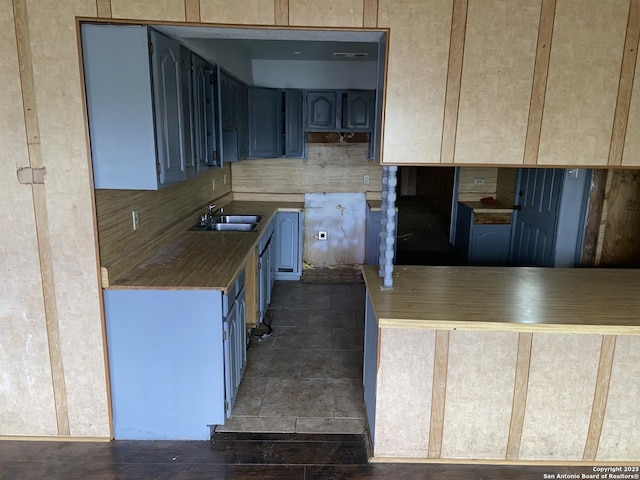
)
(491, 218)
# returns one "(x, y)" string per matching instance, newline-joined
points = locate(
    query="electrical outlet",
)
(322, 235)
(213, 185)
(478, 181)
(365, 180)
(135, 218)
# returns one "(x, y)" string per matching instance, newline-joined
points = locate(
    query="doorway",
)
(425, 196)
(547, 231)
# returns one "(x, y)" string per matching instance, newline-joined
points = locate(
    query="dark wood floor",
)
(236, 456)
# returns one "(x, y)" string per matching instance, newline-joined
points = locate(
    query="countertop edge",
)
(507, 327)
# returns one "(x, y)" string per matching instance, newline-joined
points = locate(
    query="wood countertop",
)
(203, 259)
(522, 299)
(479, 207)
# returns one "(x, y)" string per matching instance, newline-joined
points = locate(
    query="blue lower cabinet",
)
(372, 239)
(370, 365)
(483, 243)
(288, 257)
(489, 245)
(167, 362)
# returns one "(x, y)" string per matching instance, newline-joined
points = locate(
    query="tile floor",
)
(306, 377)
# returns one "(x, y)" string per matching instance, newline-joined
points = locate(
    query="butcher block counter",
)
(503, 365)
(202, 259)
(524, 299)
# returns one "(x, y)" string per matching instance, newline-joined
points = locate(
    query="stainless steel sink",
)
(233, 227)
(238, 219)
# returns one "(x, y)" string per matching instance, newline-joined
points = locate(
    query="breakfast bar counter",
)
(503, 365)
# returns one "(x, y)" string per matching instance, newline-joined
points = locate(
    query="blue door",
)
(534, 233)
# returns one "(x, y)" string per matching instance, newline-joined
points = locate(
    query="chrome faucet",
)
(207, 218)
(213, 210)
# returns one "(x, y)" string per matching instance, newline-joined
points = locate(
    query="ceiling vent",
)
(349, 55)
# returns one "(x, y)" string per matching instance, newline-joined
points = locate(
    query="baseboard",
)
(287, 276)
(52, 438)
(530, 463)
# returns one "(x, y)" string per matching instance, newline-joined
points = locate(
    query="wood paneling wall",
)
(257, 12)
(506, 397)
(329, 13)
(586, 68)
(149, 9)
(416, 78)
(506, 185)
(631, 152)
(540, 82)
(329, 168)
(582, 86)
(159, 212)
(499, 54)
(27, 403)
(468, 190)
(621, 245)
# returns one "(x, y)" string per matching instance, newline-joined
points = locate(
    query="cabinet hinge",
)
(214, 155)
(212, 79)
(224, 335)
(150, 48)
(226, 405)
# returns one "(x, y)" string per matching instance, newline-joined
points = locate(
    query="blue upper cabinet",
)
(168, 107)
(265, 122)
(225, 106)
(276, 123)
(188, 107)
(339, 111)
(205, 125)
(294, 128)
(323, 110)
(234, 113)
(358, 111)
(137, 120)
(242, 102)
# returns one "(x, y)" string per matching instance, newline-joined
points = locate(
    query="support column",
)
(388, 224)
(383, 220)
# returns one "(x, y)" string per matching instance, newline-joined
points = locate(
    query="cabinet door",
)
(167, 90)
(294, 129)
(370, 364)
(358, 111)
(372, 246)
(265, 122)
(263, 280)
(242, 97)
(489, 244)
(288, 255)
(188, 105)
(203, 114)
(230, 358)
(322, 110)
(235, 350)
(224, 100)
(120, 107)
